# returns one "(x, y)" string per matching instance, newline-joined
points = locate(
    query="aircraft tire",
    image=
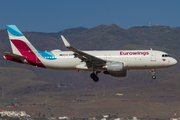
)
(153, 77)
(94, 77)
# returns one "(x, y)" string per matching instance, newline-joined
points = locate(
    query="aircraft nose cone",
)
(174, 62)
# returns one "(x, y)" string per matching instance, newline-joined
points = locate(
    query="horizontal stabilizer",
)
(14, 55)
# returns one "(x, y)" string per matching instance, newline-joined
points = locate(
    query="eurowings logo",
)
(134, 53)
(163, 59)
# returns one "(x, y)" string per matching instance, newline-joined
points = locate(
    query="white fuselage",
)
(132, 59)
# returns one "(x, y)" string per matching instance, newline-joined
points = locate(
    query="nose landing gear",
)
(153, 74)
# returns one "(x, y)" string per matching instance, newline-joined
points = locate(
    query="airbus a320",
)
(110, 62)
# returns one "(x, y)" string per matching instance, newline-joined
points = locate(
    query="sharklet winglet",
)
(66, 43)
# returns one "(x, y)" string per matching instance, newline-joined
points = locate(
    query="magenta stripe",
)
(25, 50)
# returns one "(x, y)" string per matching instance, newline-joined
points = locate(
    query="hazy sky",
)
(57, 15)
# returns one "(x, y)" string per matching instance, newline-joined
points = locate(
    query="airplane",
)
(110, 62)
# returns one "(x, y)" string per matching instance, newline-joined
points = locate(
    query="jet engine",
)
(115, 69)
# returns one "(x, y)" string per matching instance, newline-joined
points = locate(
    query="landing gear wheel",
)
(153, 77)
(94, 77)
(153, 74)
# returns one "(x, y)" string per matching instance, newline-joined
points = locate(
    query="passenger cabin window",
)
(165, 55)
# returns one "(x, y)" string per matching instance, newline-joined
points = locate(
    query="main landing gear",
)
(94, 76)
(153, 74)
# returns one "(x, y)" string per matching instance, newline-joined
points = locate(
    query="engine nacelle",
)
(115, 67)
(117, 74)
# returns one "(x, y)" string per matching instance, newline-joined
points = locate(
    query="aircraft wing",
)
(85, 57)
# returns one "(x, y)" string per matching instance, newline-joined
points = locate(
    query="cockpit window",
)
(165, 55)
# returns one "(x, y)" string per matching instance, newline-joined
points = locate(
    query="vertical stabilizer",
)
(18, 41)
(22, 47)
